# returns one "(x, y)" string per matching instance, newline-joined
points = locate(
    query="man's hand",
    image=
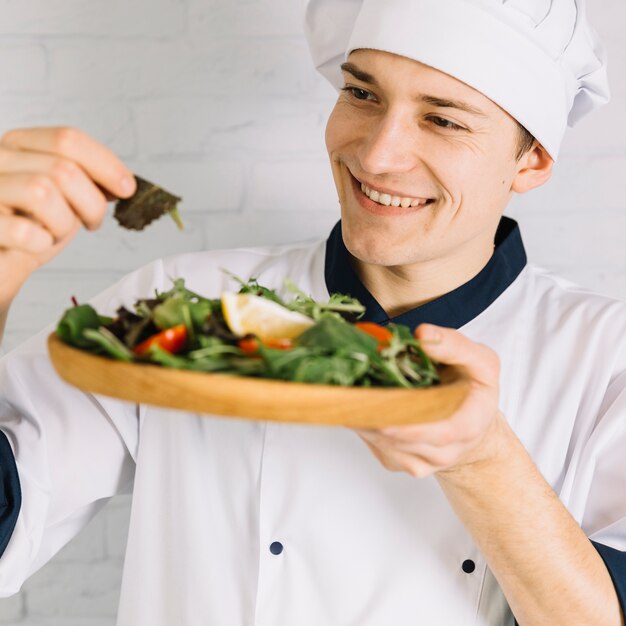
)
(52, 181)
(547, 568)
(468, 436)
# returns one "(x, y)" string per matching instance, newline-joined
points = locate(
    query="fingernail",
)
(431, 333)
(127, 185)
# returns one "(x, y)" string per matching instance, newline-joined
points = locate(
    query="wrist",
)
(494, 450)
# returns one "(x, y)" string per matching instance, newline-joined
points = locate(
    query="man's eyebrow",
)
(444, 103)
(452, 104)
(364, 77)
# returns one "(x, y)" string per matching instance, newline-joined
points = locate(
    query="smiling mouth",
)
(389, 199)
(397, 201)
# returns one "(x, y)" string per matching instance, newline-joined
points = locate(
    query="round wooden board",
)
(254, 398)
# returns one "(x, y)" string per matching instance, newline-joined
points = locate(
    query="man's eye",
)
(442, 122)
(357, 92)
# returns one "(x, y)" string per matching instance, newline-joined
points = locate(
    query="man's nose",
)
(390, 146)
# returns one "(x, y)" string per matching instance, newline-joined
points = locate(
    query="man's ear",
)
(533, 169)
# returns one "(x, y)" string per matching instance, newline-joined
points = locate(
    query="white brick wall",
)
(217, 100)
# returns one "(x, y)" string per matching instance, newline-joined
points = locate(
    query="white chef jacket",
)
(238, 522)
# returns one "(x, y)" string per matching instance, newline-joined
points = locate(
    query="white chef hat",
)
(538, 59)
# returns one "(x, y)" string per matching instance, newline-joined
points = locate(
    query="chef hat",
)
(538, 59)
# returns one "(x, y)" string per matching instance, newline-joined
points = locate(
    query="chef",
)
(513, 509)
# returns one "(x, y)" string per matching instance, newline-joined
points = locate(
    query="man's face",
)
(444, 150)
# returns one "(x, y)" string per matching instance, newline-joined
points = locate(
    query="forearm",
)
(547, 568)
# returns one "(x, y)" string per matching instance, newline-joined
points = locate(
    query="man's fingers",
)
(37, 196)
(23, 234)
(437, 435)
(450, 347)
(99, 162)
(433, 453)
(423, 449)
(84, 196)
(396, 461)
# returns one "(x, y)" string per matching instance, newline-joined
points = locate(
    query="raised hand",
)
(52, 181)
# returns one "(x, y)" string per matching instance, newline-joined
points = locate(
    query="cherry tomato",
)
(382, 334)
(171, 339)
(278, 344)
(251, 346)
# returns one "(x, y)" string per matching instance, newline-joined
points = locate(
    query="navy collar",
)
(454, 309)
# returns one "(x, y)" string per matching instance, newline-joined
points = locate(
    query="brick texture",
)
(219, 102)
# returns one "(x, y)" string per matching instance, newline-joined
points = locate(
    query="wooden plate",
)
(253, 398)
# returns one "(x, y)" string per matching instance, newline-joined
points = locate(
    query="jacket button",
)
(276, 547)
(468, 566)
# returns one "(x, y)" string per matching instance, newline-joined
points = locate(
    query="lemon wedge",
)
(247, 313)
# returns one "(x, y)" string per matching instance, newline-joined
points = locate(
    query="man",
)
(484, 516)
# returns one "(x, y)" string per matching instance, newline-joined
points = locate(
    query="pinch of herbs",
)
(148, 203)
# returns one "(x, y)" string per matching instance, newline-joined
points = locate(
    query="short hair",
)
(525, 141)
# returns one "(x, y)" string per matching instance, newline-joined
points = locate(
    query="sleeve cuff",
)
(10, 492)
(615, 562)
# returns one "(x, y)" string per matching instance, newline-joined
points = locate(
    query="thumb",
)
(450, 347)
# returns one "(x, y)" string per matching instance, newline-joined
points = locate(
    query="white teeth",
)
(387, 199)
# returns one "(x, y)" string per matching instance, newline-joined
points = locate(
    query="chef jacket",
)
(237, 522)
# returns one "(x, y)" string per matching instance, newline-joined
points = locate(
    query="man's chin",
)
(379, 242)
(373, 251)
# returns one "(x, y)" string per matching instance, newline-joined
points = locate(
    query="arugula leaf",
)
(336, 369)
(109, 343)
(345, 306)
(332, 333)
(178, 310)
(160, 356)
(180, 290)
(212, 347)
(315, 366)
(281, 363)
(252, 286)
(73, 323)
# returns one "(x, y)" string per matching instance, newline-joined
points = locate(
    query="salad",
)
(255, 332)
